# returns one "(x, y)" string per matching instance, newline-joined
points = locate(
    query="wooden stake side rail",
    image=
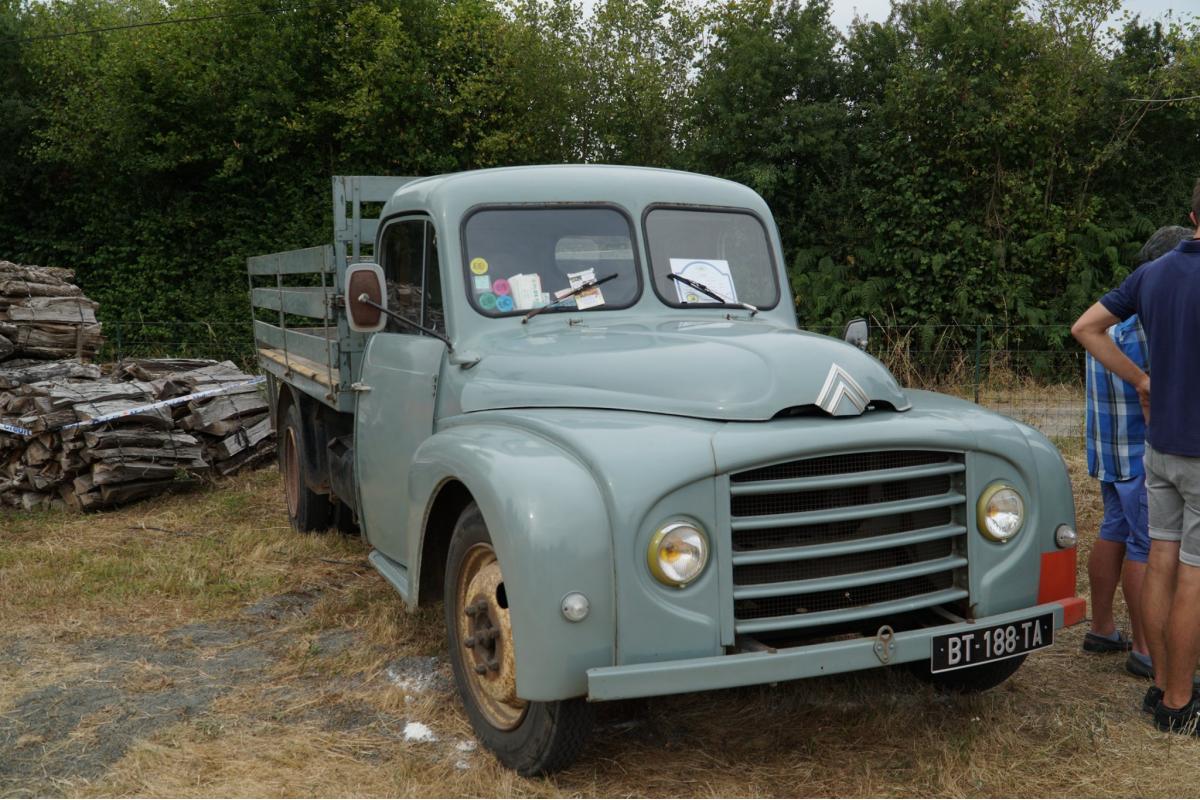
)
(322, 360)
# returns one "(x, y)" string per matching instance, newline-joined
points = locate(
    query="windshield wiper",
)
(700, 287)
(580, 289)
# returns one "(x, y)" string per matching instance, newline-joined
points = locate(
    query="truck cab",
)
(573, 404)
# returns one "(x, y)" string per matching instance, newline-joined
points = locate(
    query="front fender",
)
(551, 533)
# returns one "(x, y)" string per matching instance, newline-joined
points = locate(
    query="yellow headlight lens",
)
(1001, 512)
(678, 552)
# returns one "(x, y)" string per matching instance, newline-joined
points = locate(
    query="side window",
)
(410, 264)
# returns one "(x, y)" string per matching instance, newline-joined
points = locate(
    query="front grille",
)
(844, 464)
(836, 599)
(822, 499)
(779, 571)
(822, 541)
(844, 531)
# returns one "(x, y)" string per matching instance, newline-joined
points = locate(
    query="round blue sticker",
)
(504, 303)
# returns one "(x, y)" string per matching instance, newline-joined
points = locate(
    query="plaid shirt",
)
(1116, 430)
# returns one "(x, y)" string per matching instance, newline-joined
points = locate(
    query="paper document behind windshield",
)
(712, 272)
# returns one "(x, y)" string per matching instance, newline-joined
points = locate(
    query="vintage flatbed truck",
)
(573, 403)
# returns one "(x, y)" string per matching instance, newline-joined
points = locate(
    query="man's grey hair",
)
(1163, 241)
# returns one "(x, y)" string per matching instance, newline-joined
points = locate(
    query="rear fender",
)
(550, 528)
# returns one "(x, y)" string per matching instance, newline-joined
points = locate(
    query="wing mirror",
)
(856, 333)
(365, 282)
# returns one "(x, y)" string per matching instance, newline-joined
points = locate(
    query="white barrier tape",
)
(174, 401)
(19, 431)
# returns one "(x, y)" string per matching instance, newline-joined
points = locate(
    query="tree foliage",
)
(965, 161)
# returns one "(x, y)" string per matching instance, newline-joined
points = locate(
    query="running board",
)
(396, 574)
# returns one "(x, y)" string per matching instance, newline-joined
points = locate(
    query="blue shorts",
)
(1125, 516)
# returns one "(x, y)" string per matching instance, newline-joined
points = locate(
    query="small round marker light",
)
(575, 607)
(1065, 536)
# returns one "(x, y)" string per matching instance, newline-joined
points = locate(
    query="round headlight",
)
(678, 553)
(1001, 512)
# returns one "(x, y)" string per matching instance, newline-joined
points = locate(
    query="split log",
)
(221, 415)
(14, 373)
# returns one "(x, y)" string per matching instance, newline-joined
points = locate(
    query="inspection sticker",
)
(479, 266)
(589, 299)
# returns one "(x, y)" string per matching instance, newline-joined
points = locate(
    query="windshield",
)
(726, 252)
(519, 259)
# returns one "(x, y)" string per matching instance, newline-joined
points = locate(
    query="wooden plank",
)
(307, 301)
(340, 400)
(309, 260)
(313, 370)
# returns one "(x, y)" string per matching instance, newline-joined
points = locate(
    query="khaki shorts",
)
(1173, 495)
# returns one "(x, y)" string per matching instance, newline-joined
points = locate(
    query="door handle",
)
(359, 386)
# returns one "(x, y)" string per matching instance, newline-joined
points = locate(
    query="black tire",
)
(970, 680)
(308, 511)
(550, 735)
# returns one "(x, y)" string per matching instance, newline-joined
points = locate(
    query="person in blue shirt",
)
(1116, 435)
(1165, 294)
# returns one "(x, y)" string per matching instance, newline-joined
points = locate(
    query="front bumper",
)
(748, 669)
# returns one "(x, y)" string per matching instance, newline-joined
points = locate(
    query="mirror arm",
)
(366, 300)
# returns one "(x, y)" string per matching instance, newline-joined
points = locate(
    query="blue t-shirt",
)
(1166, 295)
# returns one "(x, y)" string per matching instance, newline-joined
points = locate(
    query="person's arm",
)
(1091, 330)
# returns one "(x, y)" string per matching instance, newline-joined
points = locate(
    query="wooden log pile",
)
(88, 441)
(44, 315)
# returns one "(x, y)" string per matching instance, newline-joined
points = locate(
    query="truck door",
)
(396, 400)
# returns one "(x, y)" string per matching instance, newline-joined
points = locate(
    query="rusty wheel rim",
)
(291, 473)
(485, 642)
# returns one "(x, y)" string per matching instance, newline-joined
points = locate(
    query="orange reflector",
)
(1057, 583)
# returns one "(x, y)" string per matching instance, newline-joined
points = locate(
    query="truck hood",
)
(725, 370)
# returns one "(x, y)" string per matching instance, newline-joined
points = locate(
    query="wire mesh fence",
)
(1034, 373)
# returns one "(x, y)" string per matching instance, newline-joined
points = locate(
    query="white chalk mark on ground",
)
(418, 732)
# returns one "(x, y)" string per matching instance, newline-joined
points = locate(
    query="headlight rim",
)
(661, 533)
(990, 491)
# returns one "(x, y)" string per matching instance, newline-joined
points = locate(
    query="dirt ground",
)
(194, 646)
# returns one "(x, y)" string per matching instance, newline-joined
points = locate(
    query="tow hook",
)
(885, 644)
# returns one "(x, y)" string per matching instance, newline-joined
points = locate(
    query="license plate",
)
(994, 643)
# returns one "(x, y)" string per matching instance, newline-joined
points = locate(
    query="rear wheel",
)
(530, 737)
(307, 510)
(969, 680)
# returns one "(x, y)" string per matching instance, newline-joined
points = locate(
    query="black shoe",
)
(1135, 666)
(1095, 643)
(1152, 699)
(1178, 720)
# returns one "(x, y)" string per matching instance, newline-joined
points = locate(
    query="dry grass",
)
(195, 646)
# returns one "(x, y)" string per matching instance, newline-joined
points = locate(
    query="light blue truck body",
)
(579, 434)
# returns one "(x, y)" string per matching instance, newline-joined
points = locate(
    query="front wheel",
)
(969, 680)
(533, 738)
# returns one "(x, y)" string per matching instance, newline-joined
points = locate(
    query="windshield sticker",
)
(504, 303)
(500, 286)
(479, 266)
(527, 291)
(584, 300)
(482, 283)
(712, 273)
(487, 301)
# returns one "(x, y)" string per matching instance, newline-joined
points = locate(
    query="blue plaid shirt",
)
(1116, 430)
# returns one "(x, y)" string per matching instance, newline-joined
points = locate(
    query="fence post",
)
(978, 356)
(119, 355)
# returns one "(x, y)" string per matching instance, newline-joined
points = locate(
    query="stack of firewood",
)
(44, 315)
(69, 436)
